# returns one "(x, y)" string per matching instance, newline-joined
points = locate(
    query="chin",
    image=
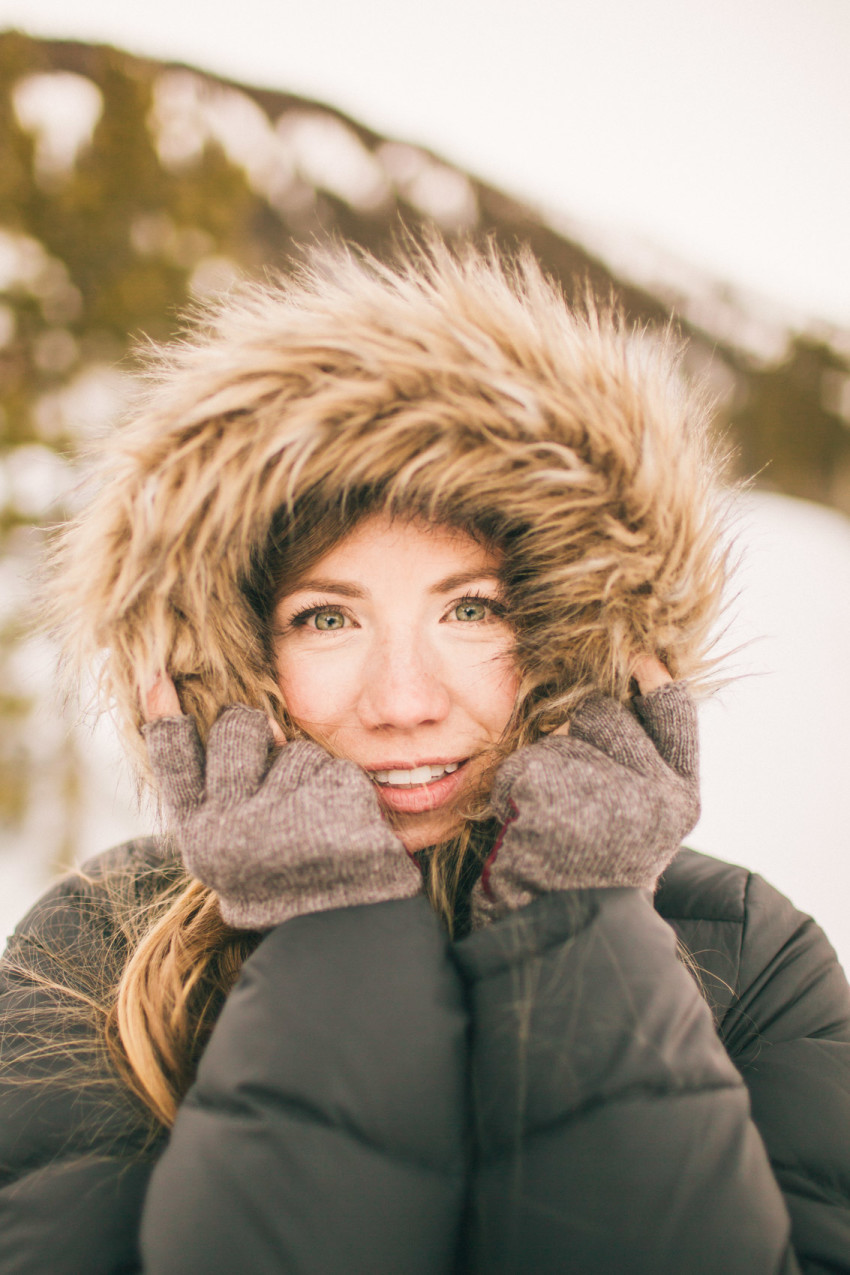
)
(427, 829)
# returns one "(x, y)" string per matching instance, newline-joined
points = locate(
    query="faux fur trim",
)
(451, 385)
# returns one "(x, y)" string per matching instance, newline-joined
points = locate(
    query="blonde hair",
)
(453, 386)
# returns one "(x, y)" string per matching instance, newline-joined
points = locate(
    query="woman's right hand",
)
(275, 832)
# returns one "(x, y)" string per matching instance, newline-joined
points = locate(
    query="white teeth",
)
(421, 775)
(418, 775)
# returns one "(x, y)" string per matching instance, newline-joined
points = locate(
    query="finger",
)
(237, 754)
(277, 732)
(650, 673)
(160, 699)
(669, 717)
(298, 763)
(612, 729)
(177, 761)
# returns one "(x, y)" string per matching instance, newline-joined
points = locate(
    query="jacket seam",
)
(632, 1093)
(744, 923)
(304, 1112)
(820, 1191)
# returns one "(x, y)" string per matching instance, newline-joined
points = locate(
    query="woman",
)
(378, 570)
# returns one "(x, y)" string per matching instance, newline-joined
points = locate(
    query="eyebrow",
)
(344, 589)
(318, 585)
(461, 578)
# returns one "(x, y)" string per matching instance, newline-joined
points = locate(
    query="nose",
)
(404, 686)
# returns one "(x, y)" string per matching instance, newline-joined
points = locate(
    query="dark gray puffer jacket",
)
(550, 1094)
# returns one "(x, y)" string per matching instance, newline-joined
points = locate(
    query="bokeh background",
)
(692, 159)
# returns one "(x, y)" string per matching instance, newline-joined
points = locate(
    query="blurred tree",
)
(790, 425)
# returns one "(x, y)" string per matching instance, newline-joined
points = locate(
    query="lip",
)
(407, 764)
(423, 796)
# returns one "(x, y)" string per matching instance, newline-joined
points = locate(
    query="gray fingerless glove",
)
(276, 835)
(606, 805)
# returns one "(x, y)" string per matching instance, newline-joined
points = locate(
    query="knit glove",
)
(275, 836)
(605, 805)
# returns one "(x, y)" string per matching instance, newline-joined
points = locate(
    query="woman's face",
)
(394, 651)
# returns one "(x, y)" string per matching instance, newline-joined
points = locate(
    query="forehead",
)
(380, 543)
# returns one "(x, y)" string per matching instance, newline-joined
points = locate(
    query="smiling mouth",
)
(416, 777)
(421, 788)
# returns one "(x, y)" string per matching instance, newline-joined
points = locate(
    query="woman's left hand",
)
(605, 801)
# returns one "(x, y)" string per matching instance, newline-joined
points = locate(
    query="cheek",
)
(488, 688)
(506, 683)
(317, 692)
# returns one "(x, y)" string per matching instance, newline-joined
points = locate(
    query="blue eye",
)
(471, 610)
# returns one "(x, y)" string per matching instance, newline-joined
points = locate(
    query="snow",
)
(55, 350)
(189, 111)
(157, 235)
(302, 151)
(86, 406)
(776, 743)
(436, 190)
(283, 162)
(330, 155)
(22, 260)
(213, 275)
(25, 264)
(60, 109)
(33, 479)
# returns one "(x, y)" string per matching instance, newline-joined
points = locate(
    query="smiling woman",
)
(397, 653)
(400, 582)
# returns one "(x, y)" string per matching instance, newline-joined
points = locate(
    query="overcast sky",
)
(721, 131)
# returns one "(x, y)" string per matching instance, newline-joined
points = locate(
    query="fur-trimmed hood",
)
(449, 386)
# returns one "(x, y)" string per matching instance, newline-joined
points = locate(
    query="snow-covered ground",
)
(776, 742)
